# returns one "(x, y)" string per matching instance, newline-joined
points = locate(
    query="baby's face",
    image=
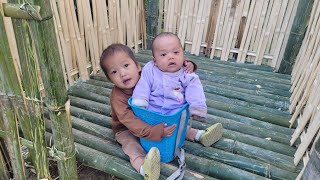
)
(122, 70)
(168, 54)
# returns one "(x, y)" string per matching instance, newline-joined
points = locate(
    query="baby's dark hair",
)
(111, 50)
(163, 34)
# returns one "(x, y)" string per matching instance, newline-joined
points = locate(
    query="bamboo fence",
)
(85, 28)
(254, 31)
(305, 98)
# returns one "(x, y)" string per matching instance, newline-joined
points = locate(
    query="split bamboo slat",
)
(83, 32)
(248, 31)
(305, 98)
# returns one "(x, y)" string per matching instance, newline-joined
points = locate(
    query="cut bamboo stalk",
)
(56, 96)
(312, 130)
(268, 33)
(242, 51)
(4, 172)
(160, 17)
(280, 21)
(214, 11)
(236, 9)
(190, 19)
(276, 5)
(215, 38)
(121, 32)
(202, 28)
(12, 141)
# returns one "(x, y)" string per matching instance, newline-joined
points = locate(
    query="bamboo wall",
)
(87, 27)
(253, 31)
(305, 99)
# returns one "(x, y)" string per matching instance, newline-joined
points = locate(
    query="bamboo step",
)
(255, 142)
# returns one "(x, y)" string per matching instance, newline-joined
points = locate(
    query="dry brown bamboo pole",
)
(283, 10)
(206, 23)
(262, 19)
(183, 22)
(143, 25)
(136, 34)
(202, 25)
(276, 4)
(176, 13)
(98, 21)
(310, 67)
(197, 27)
(112, 20)
(165, 15)
(214, 11)
(190, 19)
(64, 37)
(119, 23)
(170, 15)
(312, 102)
(243, 20)
(215, 38)
(256, 12)
(271, 26)
(312, 130)
(75, 35)
(232, 10)
(222, 22)
(245, 33)
(235, 28)
(282, 36)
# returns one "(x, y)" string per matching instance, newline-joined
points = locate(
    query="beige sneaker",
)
(151, 165)
(211, 135)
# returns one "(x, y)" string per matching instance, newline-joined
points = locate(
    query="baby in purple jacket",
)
(164, 87)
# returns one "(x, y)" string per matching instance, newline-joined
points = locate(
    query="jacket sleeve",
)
(142, 90)
(135, 125)
(194, 95)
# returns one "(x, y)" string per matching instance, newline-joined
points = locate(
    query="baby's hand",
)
(168, 130)
(189, 67)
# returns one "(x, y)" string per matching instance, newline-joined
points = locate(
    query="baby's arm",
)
(194, 95)
(141, 92)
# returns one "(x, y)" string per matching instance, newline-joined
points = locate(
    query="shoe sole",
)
(214, 133)
(152, 166)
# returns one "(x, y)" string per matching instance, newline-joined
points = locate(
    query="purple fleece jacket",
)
(167, 92)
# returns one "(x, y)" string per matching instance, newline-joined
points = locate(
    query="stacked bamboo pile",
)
(305, 99)
(253, 31)
(250, 101)
(85, 28)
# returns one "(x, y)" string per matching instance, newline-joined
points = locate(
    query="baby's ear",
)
(139, 66)
(154, 60)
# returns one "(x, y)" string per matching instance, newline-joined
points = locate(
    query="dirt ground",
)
(84, 173)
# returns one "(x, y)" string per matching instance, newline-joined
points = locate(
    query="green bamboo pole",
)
(12, 141)
(105, 109)
(106, 143)
(279, 160)
(241, 162)
(102, 85)
(152, 21)
(296, 36)
(4, 159)
(14, 11)
(114, 149)
(56, 96)
(31, 119)
(228, 124)
(4, 173)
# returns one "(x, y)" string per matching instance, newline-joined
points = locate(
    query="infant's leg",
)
(191, 133)
(132, 147)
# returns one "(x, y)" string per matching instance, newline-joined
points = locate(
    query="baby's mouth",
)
(172, 64)
(126, 81)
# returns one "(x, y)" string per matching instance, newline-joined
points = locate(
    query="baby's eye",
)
(126, 65)
(113, 72)
(176, 52)
(164, 54)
